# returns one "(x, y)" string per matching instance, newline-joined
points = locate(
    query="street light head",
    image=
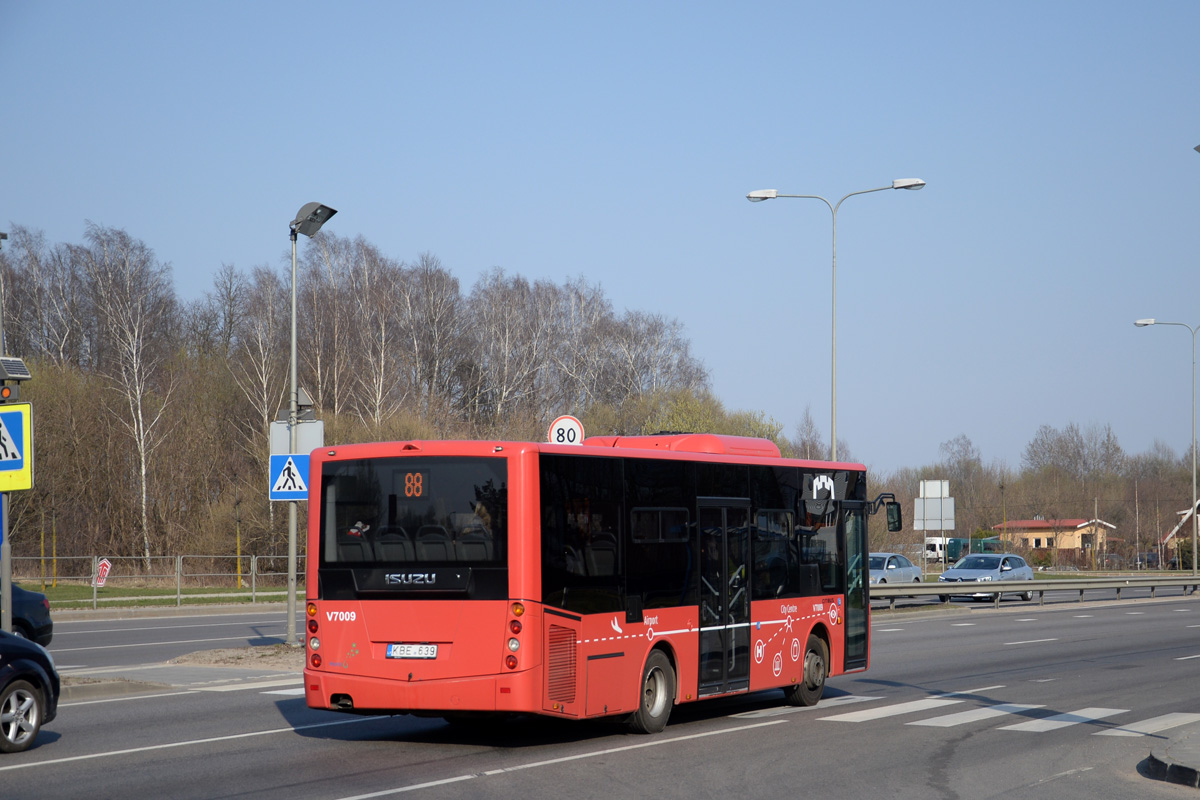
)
(758, 195)
(1142, 323)
(311, 217)
(908, 183)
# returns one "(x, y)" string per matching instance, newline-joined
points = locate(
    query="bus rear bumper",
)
(354, 693)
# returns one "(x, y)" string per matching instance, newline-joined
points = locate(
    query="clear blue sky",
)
(617, 141)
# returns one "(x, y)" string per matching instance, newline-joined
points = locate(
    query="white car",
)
(893, 568)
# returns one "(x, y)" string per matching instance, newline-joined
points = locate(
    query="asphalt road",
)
(90, 641)
(1056, 702)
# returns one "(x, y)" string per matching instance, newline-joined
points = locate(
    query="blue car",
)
(983, 568)
(31, 616)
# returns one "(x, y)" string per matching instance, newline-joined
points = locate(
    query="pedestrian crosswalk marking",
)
(891, 711)
(1152, 725)
(825, 703)
(1059, 721)
(975, 715)
(1055, 722)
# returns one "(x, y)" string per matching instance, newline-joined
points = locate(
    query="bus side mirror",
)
(895, 520)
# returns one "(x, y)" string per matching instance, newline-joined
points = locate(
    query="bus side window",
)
(600, 554)
(773, 574)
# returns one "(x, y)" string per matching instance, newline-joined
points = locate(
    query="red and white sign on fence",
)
(102, 571)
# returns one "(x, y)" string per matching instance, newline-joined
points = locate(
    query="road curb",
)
(1176, 760)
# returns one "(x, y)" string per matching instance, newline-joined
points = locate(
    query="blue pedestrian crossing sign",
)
(289, 477)
(16, 447)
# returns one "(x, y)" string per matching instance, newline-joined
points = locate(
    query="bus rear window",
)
(414, 510)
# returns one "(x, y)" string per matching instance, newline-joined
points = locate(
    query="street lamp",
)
(759, 195)
(308, 221)
(1143, 323)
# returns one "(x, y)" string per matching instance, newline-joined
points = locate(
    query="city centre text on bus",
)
(620, 577)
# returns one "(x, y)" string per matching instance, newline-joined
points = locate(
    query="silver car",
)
(982, 568)
(893, 568)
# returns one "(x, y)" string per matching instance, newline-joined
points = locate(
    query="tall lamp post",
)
(759, 195)
(308, 221)
(1143, 323)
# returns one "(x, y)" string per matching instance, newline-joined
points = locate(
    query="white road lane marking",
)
(58, 650)
(123, 699)
(136, 629)
(187, 743)
(236, 687)
(563, 760)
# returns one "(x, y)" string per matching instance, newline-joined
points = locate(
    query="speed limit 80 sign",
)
(566, 430)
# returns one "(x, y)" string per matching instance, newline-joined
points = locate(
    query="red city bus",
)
(616, 578)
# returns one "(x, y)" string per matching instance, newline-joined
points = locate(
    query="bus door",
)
(858, 608)
(724, 570)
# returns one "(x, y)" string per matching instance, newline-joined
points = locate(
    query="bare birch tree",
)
(379, 379)
(133, 303)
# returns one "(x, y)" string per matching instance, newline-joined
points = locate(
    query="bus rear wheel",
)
(657, 695)
(812, 683)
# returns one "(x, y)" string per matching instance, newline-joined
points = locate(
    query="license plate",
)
(412, 651)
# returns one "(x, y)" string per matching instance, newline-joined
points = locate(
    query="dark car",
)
(29, 688)
(31, 616)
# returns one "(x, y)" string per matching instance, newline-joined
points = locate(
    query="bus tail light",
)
(514, 626)
(312, 626)
(511, 662)
(315, 660)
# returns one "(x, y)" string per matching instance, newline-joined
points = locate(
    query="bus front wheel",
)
(812, 683)
(657, 695)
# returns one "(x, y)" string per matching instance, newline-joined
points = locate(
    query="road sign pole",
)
(293, 418)
(5, 543)
(5, 567)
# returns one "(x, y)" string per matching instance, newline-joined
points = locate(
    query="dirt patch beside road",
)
(275, 656)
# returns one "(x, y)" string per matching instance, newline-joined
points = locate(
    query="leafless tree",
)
(582, 356)
(808, 441)
(326, 324)
(433, 322)
(379, 377)
(654, 355)
(43, 299)
(133, 303)
(510, 336)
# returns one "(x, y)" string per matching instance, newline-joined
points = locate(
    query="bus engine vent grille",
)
(562, 664)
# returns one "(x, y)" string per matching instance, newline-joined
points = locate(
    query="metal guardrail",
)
(946, 590)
